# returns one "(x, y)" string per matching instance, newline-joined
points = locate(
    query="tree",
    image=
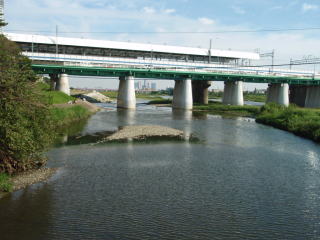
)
(25, 123)
(2, 23)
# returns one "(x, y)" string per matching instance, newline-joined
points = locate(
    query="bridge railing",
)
(112, 62)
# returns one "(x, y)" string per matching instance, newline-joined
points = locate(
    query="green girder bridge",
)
(173, 74)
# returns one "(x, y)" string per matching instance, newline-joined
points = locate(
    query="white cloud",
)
(238, 10)
(169, 11)
(309, 7)
(206, 21)
(149, 10)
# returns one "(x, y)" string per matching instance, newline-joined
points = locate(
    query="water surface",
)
(241, 181)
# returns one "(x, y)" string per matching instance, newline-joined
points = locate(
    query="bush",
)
(300, 121)
(25, 123)
(5, 183)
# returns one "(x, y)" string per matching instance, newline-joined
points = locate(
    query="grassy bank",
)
(300, 121)
(65, 116)
(147, 96)
(246, 96)
(303, 122)
(53, 97)
(221, 109)
(5, 183)
(255, 97)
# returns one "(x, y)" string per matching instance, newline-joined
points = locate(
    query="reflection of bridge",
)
(192, 69)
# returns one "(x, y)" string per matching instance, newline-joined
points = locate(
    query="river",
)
(241, 180)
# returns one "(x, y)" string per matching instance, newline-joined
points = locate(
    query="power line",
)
(285, 64)
(172, 32)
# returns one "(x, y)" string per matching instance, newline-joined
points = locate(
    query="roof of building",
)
(79, 42)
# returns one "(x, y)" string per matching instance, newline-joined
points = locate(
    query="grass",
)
(56, 97)
(147, 96)
(246, 96)
(64, 116)
(255, 97)
(303, 122)
(221, 109)
(53, 97)
(110, 94)
(5, 183)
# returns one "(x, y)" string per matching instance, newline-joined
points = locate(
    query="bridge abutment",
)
(182, 95)
(298, 95)
(313, 97)
(233, 93)
(278, 93)
(200, 91)
(62, 84)
(126, 93)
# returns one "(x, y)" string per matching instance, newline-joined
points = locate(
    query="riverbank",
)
(302, 122)
(228, 110)
(25, 179)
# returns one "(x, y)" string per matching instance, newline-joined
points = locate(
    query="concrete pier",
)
(182, 95)
(53, 81)
(126, 93)
(313, 97)
(278, 93)
(200, 91)
(62, 84)
(297, 95)
(233, 93)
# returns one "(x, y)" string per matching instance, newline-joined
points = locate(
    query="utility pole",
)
(210, 47)
(270, 54)
(57, 50)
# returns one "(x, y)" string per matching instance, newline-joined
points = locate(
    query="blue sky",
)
(179, 15)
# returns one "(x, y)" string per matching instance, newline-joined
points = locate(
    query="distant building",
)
(154, 86)
(260, 91)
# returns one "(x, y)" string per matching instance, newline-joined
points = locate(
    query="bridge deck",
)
(172, 74)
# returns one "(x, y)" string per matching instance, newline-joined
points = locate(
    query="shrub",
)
(25, 123)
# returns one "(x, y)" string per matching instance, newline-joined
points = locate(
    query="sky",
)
(100, 19)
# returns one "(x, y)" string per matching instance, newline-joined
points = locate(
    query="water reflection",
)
(126, 117)
(313, 158)
(31, 212)
(184, 118)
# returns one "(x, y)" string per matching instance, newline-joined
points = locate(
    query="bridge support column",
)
(53, 81)
(298, 95)
(62, 84)
(278, 93)
(126, 93)
(200, 91)
(313, 97)
(233, 93)
(182, 94)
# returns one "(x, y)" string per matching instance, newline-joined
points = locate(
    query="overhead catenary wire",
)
(171, 32)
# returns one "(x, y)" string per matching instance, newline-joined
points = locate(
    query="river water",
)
(242, 180)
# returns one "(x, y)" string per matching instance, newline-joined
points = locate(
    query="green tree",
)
(2, 23)
(25, 123)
